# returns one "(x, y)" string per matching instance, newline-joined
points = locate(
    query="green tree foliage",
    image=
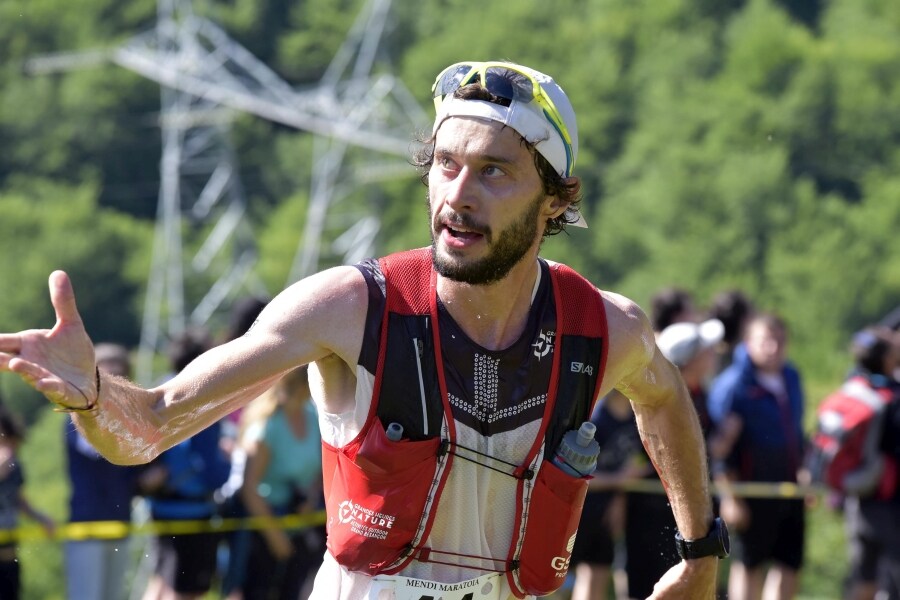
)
(68, 125)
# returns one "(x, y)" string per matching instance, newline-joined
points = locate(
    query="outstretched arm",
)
(318, 317)
(670, 431)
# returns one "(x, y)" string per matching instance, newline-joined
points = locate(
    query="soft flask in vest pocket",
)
(375, 491)
(553, 516)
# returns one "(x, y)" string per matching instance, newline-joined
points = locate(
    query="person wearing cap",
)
(756, 406)
(873, 522)
(465, 345)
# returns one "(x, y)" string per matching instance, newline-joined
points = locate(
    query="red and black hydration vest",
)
(382, 495)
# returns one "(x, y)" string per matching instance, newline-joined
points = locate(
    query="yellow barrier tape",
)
(111, 530)
(744, 489)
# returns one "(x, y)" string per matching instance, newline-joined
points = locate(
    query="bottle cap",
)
(394, 431)
(586, 433)
(579, 449)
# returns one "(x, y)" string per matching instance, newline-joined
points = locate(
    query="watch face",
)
(724, 537)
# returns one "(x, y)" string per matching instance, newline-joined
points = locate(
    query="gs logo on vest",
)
(560, 564)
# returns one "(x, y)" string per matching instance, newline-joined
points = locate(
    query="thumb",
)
(62, 296)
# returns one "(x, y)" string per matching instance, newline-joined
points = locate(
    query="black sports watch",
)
(716, 543)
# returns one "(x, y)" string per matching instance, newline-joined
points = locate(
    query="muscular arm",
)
(669, 429)
(666, 418)
(319, 317)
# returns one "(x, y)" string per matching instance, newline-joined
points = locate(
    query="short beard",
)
(511, 246)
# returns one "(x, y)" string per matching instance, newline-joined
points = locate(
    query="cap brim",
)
(581, 222)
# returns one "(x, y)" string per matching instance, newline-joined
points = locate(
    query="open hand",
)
(58, 362)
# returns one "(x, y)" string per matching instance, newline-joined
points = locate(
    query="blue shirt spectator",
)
(101, 491)
(195, 468)
(770, 446)
(757, 408)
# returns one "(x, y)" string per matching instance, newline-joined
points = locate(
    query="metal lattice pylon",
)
(205, 77)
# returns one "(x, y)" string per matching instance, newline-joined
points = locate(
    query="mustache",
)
(461, 221)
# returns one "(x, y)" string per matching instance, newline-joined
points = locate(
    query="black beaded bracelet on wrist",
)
(87, 408)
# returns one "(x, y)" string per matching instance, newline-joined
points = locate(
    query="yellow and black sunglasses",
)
(507, 81)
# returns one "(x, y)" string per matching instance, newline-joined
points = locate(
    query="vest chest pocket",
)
(553, 516)
(376, 491)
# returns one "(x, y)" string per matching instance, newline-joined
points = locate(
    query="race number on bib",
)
(394, 587)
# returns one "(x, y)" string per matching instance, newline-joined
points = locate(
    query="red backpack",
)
(844, 454)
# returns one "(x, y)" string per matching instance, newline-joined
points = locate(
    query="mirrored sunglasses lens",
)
(451, 79)
(509, 84)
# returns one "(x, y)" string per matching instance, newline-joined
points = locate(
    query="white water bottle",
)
(578, 450)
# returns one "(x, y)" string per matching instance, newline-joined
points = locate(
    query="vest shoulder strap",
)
(582, 332)
(406, 275)
(583, 312)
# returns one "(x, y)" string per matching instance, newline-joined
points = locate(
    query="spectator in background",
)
(670, 305)
(757, 409)
(873, 522)
(733, 308)
(12, 504)
(602, 524)
(283, 476)
(180, 485)
(890, 444)
(100, 491)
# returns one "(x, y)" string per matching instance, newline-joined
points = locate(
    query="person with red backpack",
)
(873, 519)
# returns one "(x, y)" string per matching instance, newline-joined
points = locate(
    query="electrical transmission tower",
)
(205, 77)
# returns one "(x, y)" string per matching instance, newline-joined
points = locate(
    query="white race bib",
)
(394, 587)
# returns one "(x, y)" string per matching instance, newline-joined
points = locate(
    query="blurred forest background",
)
(750, 144)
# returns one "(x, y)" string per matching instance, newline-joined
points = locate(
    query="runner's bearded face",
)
(485, 199)
(510, 247)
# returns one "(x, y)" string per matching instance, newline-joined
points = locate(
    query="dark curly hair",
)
(553, 183)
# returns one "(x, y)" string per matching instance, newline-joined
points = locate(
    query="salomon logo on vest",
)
(578, 367)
